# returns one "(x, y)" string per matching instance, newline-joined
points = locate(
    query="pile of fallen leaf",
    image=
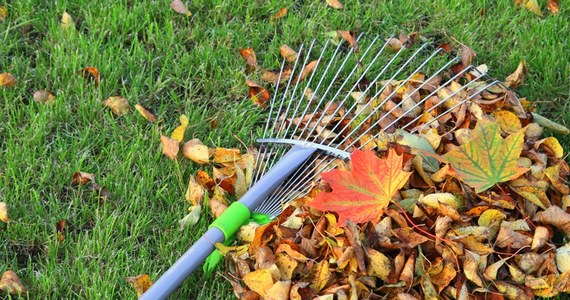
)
(480, 212)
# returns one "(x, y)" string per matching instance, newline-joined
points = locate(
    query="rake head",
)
(337, 97)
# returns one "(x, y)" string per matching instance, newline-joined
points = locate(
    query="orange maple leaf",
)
(360, 195)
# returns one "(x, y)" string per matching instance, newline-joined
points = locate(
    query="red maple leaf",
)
(360, 195)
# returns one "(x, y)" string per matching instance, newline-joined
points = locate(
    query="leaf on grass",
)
(4, 212)
(349, 38)
(250, 59)
(141, 283)
(179, 7)
(178, 133)
(170, 147)
(80, 178)
(66, 21)
(487, 158)
(307, 70)
(395, 44)
(11, 284)
(118, 105)
(335, 4)
(258, 94)
(532, 6)
(7, 79)
(91, 73)
(43, 97)
(59, 229)
(145, 113)
(360, 195)
(196, 151)
(192, 217)
(517, 77)
(289, 54)
(467, 55)
(195, 192)
(3, 13)
(280, 14)
(552, 6)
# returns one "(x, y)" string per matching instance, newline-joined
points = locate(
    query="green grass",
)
(173, 65)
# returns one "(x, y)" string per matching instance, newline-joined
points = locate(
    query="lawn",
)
(173, 64)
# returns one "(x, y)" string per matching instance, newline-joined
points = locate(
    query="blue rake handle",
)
(227, 224)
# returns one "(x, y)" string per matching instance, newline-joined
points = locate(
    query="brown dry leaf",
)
(349, 37)
(250, 59)
(409, 238)
(556, 217)
(3, 13)
(289, 54)
(510, 238)
(467, 55)
(205, 180)
(517, 77)
(258, 94)
(307, 70)
(7, 79)
(59, 228)
(471, 268)
(196, 151)
(195, 192)
(395, 44)
(141, 283)
(145, 113)
(91, 73)
(118, 105)
(259, 281)
(44, 97)
(67, 21)
(179, 7)
(170, 147)
(80, 178)
(280, 14)
(532, 6)
(11, 284)
(291, 252)
(178, 133)
(335, 4)
(4, 212)
(552, 6)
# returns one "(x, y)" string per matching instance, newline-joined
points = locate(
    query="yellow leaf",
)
(3, 212)
(66, 21)
(239, 250)
(433, 200)
(179, 7)
(196, 151)
(11, 284)
(259, 281)
(508, 121)
(335, 4)
(178, 133)
(145, 113)
(380, 265)
(44, 97)
(553, 144)
(195, 192)
(532, 6)
(3, 13)
(279, 291)
(118, 105)
(170, 147)
(141, 283)
(322, 274)
(7, 79)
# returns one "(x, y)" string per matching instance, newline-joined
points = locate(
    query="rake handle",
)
(228, 223)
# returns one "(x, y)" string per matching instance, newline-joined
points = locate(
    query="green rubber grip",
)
(232, 219)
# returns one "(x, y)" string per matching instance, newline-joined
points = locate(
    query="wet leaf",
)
(258, 94)
(170, 147)
(140, 283)
(67, 21)
(178, 133)
(145, 113)
(91, 73)
(280, 14)
(532, 6)
(11, 284)
(289, 54)
(7, 79)
(335, 4)
(360, 195)
(552, 6)
(487, 158)
(179, 7)
(43, 97)
(196, 151)
(4, 212)
(517, 77)
(118, 105)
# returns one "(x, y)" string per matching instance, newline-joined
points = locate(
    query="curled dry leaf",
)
(170, 147)
(67, 21)
(141, 283)
(258, 94)
(4, 212)
(7, 79)
(289, 54)
(80, 178)
(145, 113)
(11, 283)
(195, 192)
(179, 7)
(467, 55)
(44, 97)
(517, 77)
(196, 151)
(250, 58)
(280, 14)
(556, 217)
(118, 105)
(91, 73)
(335, 4)
(349, 38)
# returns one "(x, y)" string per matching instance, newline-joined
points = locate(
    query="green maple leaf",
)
(487, 159)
